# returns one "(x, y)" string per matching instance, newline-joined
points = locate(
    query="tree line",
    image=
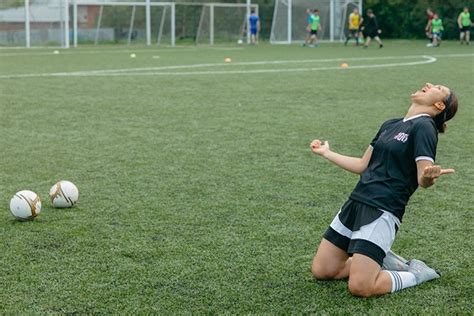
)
(407, 19)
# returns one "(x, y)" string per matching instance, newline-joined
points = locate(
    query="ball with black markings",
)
(64, 194)
(25, 205)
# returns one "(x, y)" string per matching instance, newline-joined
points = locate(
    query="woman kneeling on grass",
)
(400, 157)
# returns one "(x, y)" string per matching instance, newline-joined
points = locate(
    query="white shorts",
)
(363, 229)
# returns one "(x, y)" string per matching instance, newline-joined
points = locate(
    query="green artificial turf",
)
(198, 191)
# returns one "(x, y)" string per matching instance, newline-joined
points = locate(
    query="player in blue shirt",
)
(254, 23)
(399, 159)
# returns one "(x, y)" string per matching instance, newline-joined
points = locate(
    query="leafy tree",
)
(407, 19)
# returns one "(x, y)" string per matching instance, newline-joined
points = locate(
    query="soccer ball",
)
(25, 205)
(240, 42)
(64, 194)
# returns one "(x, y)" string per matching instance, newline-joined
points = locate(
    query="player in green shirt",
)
(436, 29)
(464, 23)
(315, 26)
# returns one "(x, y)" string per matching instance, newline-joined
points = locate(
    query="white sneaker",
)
(394, 262)
(421, 271)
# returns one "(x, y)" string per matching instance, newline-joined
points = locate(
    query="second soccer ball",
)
(64, 194)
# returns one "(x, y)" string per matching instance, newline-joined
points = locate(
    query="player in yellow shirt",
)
(355, 21)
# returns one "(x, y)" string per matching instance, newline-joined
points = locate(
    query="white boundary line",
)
(121, 51)
(428, 60)
(251, 63)
(162, 71)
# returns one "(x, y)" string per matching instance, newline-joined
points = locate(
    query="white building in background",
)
(46, 22)
(45, 13)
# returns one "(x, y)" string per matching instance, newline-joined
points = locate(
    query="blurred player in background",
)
(465, 23)
(429, 16)
(399, 159)
(355, 21)
(437, 29)
(254, 23)
(371, 29)
(309, 13)
(315, 27)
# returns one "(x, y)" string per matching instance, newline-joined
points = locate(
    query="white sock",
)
(401, 280)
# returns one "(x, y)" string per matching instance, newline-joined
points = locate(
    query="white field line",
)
(161, 49)
(252, 63)
(163, 70)
(428, 60)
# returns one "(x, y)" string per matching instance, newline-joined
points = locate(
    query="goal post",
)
(346, 11)
(63, 23)
(224, 22)
(125, 22)
(34, 23)
(290, 19)
(67, 23)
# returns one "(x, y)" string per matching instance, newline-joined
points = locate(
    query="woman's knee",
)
(323, 271)
(329, 261)
(360, 288)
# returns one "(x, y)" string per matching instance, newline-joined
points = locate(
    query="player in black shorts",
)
(465, 23)
(370, 29)
(399, 159)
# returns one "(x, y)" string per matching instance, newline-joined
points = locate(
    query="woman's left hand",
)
(434, 172)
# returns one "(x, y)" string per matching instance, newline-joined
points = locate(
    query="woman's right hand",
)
(319, 147)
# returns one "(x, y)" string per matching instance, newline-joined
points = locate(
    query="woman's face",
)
(430, 94)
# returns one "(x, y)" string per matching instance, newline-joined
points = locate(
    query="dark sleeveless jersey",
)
(391, 176)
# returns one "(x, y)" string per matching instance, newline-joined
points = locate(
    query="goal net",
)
(121, 22)
(152, 22)
(290, 19)
(223, 22)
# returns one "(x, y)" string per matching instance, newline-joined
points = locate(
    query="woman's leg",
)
(366, 277)
(330, 262)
